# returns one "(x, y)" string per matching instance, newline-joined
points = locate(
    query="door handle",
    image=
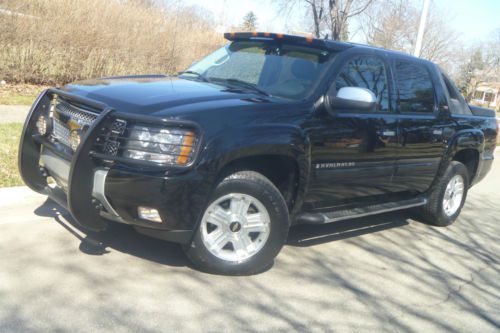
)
(387, 133)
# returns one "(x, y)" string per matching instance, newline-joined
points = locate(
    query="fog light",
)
(74, 140)
(41, 125)
(150, 214)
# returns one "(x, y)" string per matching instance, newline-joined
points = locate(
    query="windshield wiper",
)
(198, 75)
(247, 85)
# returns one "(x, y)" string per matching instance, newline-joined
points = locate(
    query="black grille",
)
(66, 114)
(75, 113)
(110, 140)
(111, 148)
(118, 127)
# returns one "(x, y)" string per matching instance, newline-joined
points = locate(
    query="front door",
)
(353, 153)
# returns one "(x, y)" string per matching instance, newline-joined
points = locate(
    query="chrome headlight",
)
(165, 146)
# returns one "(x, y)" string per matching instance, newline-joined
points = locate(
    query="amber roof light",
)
(305, 40)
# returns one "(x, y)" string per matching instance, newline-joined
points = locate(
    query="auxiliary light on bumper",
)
(41, 125)
(150, 214)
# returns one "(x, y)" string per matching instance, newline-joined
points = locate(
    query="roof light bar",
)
(305, 40)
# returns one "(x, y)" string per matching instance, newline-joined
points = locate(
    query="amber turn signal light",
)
(187, 148)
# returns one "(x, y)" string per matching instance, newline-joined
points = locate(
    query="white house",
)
(487, 95)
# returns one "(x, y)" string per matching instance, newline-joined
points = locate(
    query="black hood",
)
(165, 96)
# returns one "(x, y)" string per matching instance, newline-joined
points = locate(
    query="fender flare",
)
(464, 139)
(253, 141)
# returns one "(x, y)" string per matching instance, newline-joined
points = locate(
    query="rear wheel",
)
(448, 197)
(243, 227)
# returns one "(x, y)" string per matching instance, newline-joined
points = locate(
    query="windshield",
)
(283, 70)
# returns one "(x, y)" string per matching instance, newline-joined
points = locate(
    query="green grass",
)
(9, 143)
(17, 99)
(19, 94)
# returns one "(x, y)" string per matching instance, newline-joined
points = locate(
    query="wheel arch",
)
(280, 153)
(282, 170)
(470, 158)
(466, 147)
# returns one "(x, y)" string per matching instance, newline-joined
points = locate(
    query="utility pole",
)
(421, 28)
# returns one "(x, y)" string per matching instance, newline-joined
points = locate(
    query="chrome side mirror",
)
(353, 99)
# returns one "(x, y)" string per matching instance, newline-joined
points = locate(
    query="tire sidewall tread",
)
(258, 186)
(433, 212)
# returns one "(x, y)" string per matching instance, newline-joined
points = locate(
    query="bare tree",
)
(479, 64)
(393, 24)
(492, 52)
(249, 22)
(469, 70)
(330, 18)
(340, 12)
(388, 26)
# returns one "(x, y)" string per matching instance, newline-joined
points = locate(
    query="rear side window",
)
(452, 92)
(457, 103)
(366, 72)
(416, 92)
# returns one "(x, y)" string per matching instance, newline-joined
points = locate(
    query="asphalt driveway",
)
(383, 273)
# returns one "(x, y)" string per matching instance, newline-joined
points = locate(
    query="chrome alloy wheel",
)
(453, 195)
(235, 227)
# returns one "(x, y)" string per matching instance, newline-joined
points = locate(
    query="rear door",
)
(354, 152)
(420, 135)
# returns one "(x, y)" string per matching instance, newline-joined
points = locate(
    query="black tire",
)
(261, 188)
(433, 212)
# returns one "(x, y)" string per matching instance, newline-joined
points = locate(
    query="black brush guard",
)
(78, 199)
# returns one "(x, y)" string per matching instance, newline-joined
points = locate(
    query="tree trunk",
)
(317, 19)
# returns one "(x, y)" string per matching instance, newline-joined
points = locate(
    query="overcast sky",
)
(473, 19)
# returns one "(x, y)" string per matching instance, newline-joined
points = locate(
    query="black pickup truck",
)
(269, 131)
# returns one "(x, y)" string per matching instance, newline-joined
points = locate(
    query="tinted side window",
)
(366, 72)
(450, 88)
(457, 102)
(416, 93)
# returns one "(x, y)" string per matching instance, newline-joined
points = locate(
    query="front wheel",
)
(448, 197)
(243, 227)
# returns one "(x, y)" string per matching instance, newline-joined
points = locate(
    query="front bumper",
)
(96, 188)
